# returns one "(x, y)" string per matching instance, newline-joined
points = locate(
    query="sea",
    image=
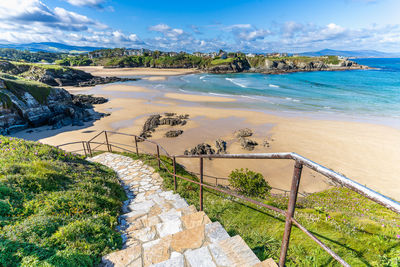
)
(370, 95)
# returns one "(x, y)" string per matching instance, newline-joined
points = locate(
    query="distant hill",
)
(355, 53)
(50, 47)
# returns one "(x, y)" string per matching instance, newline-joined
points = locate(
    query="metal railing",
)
(300, 162)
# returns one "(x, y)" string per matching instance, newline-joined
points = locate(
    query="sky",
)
(236, 25)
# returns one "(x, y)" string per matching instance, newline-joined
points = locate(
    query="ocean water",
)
(360, 93)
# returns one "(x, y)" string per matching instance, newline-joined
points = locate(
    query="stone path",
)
(160, 229)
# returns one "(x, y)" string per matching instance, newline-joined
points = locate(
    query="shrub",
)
(249, 183)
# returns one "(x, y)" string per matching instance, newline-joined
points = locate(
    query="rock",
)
(173, 133)
(170, 121)
(150, 125)
(58, 109)
(200, 149)
(221, 146)
(266, 143)
(248, 144)
(246, 132)
(87, 101)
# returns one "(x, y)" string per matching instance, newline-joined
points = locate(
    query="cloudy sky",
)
(207, 25)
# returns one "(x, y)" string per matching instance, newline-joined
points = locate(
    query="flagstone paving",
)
(160, 229)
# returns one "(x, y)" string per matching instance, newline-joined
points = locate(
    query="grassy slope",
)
(18, 86)
(360, 231)
(56, 209)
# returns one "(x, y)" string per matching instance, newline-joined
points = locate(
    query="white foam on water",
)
(234, 81)
(273, 85)
(216, 94)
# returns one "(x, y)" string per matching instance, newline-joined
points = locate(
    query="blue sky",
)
(249, 26)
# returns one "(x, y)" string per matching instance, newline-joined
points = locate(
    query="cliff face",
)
(19, 109)
(287, 65)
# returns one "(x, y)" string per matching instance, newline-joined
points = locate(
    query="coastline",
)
(358, 150)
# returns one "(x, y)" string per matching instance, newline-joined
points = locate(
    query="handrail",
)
(300, 161)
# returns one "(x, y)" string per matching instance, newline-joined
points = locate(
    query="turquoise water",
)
(370, 93)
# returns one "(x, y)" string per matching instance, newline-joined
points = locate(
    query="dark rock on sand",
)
(200, 149)
(173, 133)
(221, 146)
(87, 101)
(246, 132)
(248, 144)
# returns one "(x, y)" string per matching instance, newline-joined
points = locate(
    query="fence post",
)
(108, 145)
(201, 184)
(84, 149)
(136, 145)
(89, 149)
(290, 212)
(174, 164)
(158, 157)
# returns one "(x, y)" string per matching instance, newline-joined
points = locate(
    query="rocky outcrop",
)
(170, 119)
(221, 146)
(173, 133)
(200, 149)
(248, 144)
(269, 66)
(235, 66)
(246, 132)
(56, 75)
(87, 101)
(59, 109)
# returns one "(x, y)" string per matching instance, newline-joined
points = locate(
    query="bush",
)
(249, 183)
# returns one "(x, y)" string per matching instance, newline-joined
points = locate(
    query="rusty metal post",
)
(201, 184)
(158, 157)
(84, 149)
(89, 149)
(108, 145)
(290, 212)
(136, 145)
(174, 164)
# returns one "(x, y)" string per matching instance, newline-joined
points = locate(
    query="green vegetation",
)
(5, 101)
(19, 86)
(249, 183)
(219, 61)
(18, 55)
(360, 231)
(80, 60)
(56, 209)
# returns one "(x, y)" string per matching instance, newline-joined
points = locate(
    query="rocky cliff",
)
(55, 75)
(23, 108)
(266, 65)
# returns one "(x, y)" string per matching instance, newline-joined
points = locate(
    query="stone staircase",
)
(160, 229)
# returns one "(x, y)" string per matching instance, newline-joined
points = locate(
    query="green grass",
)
(56, 209)
(43, 66)
(360, 231)
(222, 61)
(19, 86)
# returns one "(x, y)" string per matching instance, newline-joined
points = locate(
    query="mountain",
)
(355, 53)
(51, 47)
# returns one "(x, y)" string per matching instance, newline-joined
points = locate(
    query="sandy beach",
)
(366, 153)
(101, 71)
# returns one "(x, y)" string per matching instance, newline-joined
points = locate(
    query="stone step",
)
(233, 252)
(160, 229)
(267, 263)
(167, 247)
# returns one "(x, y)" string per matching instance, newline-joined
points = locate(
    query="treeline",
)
(20, 55)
